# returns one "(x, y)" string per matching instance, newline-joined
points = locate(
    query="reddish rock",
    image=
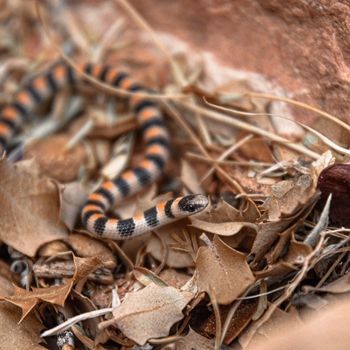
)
(335, 179)
(302, 46)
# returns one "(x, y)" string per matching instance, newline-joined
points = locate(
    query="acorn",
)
(335, 179)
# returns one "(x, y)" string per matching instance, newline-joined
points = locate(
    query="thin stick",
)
(218, 324)
(197, 142)
(287, 293)
(94, 81)
(323, 138)
(300, 104)
(225, 154)
(82, 132)
(227, 162)
(71, 321)
(178, 74)
(219, 117)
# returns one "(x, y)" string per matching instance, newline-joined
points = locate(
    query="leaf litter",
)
(233, 274)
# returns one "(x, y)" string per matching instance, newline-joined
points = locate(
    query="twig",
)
(83, 131)
(299, 104)
(219, 117)
(322, 223)
(71, 321)
(287, 293)
(90, 78)
(225, 154)
(323, 138)
(228, 162)
(218, 325)
(178, 74)
(197, 142)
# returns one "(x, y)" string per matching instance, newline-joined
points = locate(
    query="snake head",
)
(193, 203)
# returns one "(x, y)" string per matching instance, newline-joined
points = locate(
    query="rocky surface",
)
(302, 46)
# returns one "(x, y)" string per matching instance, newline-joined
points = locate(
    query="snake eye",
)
(191, 207)
(193, 203)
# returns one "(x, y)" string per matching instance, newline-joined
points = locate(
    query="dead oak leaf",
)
(222, 228)
(223, 271)
(268, 232)
(194, 341)
(150, 312)
(222, 219)
(57, 295)
(175, 258)
(73, 197)
(29, 208)
(189, 178)
(289, 196)
(12, 335)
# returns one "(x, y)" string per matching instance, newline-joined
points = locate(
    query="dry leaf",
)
(73, 196)
(289, 196)
(318, 165)
(174, 278)
(189, 178)
(221, 212)
(221, 229)
(174, 258)
(29, 208)
(150, 312)
(194, 341)
(12, 335)
(86, 246)
(241, 318)
(269, 231)
(223, 271)
(55, 160)
(57, 295)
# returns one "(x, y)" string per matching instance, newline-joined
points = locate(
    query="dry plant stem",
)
(331, 269)
(225, 154)
(232, 312)
(71, 25)
(89, 343)
(219, 117)
(227, 162)
(120, 157)
(178, 74)
(10, 64)
(334, 248)
(77, 137)
(203, 129)
(165, 254)
(286, 294)
(107, 39)
(121, 254)
(70, 322)
(299, 104)
(216, 309)
(323, 138)
(176, 69)
(103, 86)
(165, 340)
(322, 223)
(176, 116)
(345, 265)
(326, 140)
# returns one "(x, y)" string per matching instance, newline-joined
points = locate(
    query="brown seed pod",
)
(335, 179)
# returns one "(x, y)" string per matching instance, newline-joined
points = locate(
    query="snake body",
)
(155, 137)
